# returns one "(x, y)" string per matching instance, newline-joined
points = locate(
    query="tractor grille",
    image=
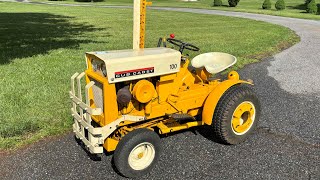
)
(97, 90)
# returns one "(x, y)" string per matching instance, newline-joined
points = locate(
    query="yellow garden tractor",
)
(132, 96)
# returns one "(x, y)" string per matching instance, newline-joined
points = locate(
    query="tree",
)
(233, 3)
(280, 5)
(266, 4)
(312, 7)
(217, 2)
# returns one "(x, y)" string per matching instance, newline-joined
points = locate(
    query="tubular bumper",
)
(92, 137)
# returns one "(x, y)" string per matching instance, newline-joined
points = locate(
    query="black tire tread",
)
(224, 109)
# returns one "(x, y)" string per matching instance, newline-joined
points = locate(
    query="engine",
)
(139, 93)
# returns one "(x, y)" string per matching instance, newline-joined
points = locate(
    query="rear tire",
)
(137, 153)
(236, 115)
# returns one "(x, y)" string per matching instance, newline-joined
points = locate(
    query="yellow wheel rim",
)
(243, 118)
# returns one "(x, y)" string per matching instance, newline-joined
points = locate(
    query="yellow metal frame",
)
(167, 99)
(178, 93)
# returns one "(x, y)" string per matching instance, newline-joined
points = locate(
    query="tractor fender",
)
(214, 97)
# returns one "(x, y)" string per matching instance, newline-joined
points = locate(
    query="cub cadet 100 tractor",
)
(132, 96)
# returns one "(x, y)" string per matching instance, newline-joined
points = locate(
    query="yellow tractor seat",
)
(214, 62)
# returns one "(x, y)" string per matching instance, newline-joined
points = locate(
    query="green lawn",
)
(42, 46)
(294, 8)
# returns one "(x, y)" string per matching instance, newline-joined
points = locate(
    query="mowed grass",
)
(42, 46)
(294, 8)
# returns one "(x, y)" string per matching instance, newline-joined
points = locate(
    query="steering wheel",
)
(183, 45)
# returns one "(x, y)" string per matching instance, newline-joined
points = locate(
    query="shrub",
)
(280, 5)
(266, 4)
(233, 3)
(312, 7)
(217, 2)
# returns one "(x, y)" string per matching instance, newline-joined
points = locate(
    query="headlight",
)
(94, 66)
(104, 70)
(98, 66)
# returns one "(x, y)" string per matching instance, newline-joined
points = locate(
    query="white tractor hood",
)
(126, 65)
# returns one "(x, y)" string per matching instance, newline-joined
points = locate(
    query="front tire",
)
(137, 153)
(236, 115)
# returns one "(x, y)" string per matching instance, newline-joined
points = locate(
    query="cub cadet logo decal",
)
(134, 72)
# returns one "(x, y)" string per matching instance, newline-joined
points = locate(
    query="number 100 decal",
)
(173, 66)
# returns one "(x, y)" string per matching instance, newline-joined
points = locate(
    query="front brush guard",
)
(81, 113)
